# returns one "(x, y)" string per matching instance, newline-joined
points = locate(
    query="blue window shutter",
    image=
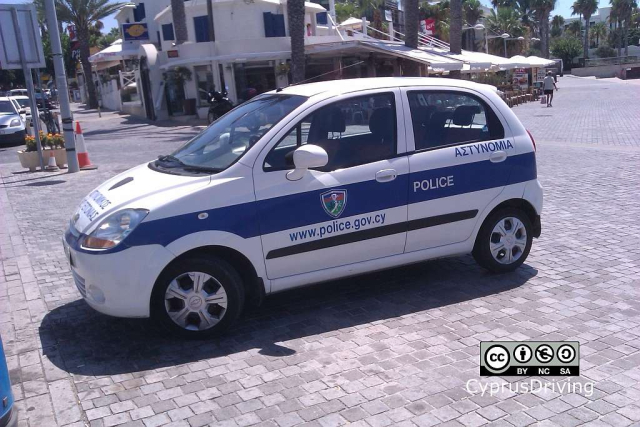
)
(201, 25)
(167, 32)
(268, 24)
(321, 18)
(139, 13)
(278, 26)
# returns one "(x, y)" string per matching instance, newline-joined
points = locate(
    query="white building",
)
(250, 54)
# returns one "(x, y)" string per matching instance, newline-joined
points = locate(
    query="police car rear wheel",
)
(504, 240)
(198, 297)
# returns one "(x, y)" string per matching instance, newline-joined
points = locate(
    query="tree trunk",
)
(618, 37)
(544, 33)
(179, 21)
(83, 39)
(295, 13)
(625, 38)
(411, 16)
(586, 37)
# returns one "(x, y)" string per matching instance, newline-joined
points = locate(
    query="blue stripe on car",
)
(302, 209)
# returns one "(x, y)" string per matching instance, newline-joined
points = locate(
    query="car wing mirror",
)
(307, 157)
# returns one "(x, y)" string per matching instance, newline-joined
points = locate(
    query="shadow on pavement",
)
(78, 340)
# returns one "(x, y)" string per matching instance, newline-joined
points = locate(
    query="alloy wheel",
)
(508, 240)
(195, 301)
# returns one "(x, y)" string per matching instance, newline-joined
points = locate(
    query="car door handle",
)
(386, 175)
(498, 156)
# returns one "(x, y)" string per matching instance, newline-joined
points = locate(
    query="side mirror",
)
(307, 157)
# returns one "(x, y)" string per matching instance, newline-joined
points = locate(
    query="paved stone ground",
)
(392, 348)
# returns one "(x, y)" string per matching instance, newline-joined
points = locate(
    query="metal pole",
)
(63, 90)
(505, 47)
(486, 42)
(29, 81)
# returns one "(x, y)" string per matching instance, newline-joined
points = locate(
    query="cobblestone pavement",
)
(392, 348)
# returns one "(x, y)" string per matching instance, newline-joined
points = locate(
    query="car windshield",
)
(24, 103)
(6, 107)
(228, 138)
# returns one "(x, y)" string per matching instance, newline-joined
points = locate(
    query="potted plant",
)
(178, 76)
(51, 144)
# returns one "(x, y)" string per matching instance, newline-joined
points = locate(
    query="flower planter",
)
(30, 160)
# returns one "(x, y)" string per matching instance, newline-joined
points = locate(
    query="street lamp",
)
(503, 36)
(509, 38)
(478, 27)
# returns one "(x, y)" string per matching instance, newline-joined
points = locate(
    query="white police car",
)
(308, 184)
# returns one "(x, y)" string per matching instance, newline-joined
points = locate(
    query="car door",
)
(461, 161)
(352, 210)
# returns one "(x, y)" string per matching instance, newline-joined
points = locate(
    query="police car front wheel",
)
(504, 240)
(198, 297)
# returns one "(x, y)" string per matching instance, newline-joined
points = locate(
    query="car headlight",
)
(114, 229)
(15, 122)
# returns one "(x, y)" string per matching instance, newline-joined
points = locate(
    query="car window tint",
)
(443, 118)
(353, 132)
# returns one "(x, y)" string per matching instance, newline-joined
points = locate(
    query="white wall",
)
(110, 95)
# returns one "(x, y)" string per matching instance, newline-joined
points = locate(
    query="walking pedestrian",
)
(549, 85)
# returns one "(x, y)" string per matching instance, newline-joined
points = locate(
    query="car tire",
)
(197, 297)
(504, 240)
(212, 117)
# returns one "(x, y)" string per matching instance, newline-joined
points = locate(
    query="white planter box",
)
(31, 161)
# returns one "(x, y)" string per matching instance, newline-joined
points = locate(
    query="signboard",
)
(388, 16)
(539, 75)
(29, 30)
(428, 26)
(521, 78)
(173, 54)
(137, 31)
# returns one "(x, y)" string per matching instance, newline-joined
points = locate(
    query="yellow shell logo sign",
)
(136, 30)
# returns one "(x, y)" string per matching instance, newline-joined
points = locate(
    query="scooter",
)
(219, 105)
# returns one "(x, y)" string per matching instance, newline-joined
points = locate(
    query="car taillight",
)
(533, 141)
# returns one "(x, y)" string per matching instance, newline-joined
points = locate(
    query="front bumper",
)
(119, 283)
(12, 138)
(10, 419)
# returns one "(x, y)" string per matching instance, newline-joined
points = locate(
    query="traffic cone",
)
(51, 165)
(81, 149)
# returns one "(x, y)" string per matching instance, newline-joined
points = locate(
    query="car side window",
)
(442, 118)
(353, 132)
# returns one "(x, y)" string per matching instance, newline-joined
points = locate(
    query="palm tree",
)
(85, 14)
(585, 8)
(622, 11)
(557, 23)
(295, 15)
(411, 17)
(543, 9)
(179, 21)
(472, 13)
(599, 31)
(575, 28)
(505, 20)
(455, 29)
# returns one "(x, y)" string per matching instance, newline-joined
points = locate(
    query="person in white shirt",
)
(548, 85)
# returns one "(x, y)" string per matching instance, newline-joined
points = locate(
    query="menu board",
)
(521, 78)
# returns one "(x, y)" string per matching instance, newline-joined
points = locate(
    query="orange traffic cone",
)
(51, 165)
(81, 149)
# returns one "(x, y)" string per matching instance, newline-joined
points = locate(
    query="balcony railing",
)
(617, 60)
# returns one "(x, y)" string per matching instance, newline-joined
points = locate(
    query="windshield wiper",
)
(170, 158)
(187, 167)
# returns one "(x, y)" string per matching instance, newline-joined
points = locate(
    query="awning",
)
(474, 61)
(116, 52)
(352, 23)
(105, 64)
(236, 57)
(532, 61)
(436, 63)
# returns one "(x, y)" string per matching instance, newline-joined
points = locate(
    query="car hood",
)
(137, 188)
(5, 118)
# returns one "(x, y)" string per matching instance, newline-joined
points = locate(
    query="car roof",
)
(344, 86)
(19, 97)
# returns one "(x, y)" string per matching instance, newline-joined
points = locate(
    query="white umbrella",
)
(352, 23)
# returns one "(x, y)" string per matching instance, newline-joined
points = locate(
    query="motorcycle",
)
(219, 105)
